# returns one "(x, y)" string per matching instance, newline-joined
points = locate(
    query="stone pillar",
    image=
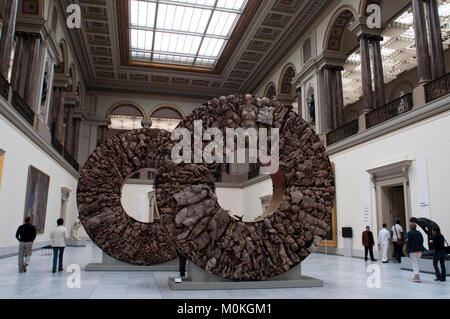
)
(77, 124)
(32, 78)
(366, 76)
(104, 133)
(420, 31)
(339, 97)
(378, 71)
(328, 106)
(7, 39)
(299, 102)
(436, 48)
(18, 61)
(60, 115)
(68, 141)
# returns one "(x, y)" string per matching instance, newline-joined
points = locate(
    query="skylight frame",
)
(217, 37)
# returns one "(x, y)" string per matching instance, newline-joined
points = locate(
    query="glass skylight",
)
(186, 32)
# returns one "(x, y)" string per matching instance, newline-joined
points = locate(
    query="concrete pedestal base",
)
(425, 265)
(111, 264)
(76, 242)
(199, 279)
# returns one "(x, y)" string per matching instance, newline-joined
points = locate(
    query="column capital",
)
(333, 67)
(370, 37)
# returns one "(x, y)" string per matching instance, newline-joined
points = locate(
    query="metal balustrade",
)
(22, 108)
(389, 110)
(346, 130)
(4, 87)
(437, 88)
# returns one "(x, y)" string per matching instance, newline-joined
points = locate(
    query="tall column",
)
(7, 39)
(32, 78)
(18, 62)
(299, 101)
(366, 76)
(339, 97)
(104, 133)
(69, 131)
(328, 109)
(436, 48)
(378, 70)
(420, 32)
(77, 124)
(60, 115)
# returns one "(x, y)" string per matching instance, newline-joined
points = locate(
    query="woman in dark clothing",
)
(415, 249)
(437, 242)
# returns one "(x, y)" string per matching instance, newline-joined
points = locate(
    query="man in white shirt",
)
(58, 237)
(397, 240)
(383, 242)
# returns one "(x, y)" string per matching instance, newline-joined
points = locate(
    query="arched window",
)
(62, 67)
(166, 117)
(270, 91)
(125, 116)
(286, 78)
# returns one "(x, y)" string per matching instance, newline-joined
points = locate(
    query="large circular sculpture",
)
(298, 216)
(99, 193)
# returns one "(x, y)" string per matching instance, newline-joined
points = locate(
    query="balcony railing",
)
(389, 110)
(22, 107)
(67, 156)
(437, 88)
(346, 130)
(4, 87)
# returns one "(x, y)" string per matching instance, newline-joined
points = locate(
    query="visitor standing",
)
(25, 234)
(368, 242)
(415, 247)
(383, 243)
(437, 243)
(397, 240)
(58, 237)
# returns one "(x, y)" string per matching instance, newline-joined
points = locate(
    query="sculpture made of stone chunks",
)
(99, 192)
(273, 244)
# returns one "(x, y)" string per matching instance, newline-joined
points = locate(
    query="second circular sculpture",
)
(273, 244)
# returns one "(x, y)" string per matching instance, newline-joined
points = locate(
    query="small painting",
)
(36, 197)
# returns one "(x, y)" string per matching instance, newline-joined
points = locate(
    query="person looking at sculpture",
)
(415, 247)
(25, 234)
(58, 237)
(397, 240)
(368, 242)
(437, 243)
(383, 243)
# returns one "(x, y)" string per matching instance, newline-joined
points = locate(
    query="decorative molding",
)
(411, 117)
(27, 130)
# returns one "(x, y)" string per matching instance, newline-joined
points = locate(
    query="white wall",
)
(131, 194)
(247, 199)
(20, 153)
(429, 139)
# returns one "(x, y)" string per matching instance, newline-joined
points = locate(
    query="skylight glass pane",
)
(141, 39)
(182, 31)
(211, 47)
(221, 23)
(232, 4)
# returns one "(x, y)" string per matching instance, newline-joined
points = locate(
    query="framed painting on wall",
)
(331, 237)
(36, 197)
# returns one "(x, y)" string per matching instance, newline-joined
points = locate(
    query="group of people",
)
(26, 234)
(409, 244)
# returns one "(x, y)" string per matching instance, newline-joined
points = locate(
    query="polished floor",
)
(343, 278)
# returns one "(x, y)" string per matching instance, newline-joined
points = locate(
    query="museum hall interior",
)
(224, 149)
